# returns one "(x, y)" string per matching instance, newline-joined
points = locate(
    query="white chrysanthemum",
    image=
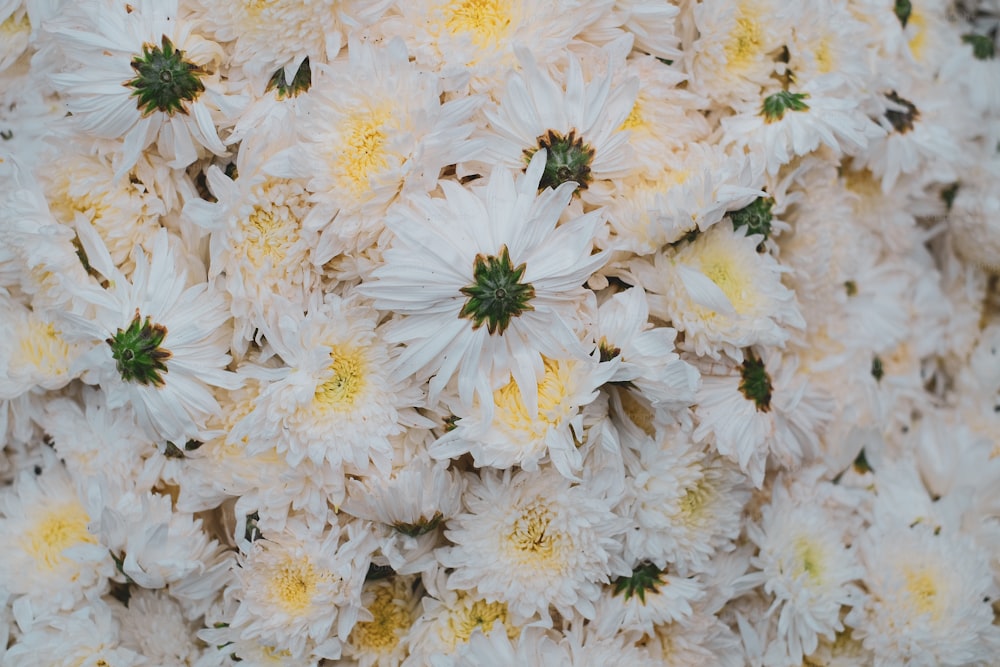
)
(487, 283)
(88, 636)
(763, 407)
(928, 599)
(279, 34)
(361, 149)
(831, 45)
(721, 293)
(153, 625)
(51, 560)
(301, 592)
(648, 597)
(650, 22)
(738, 40)
(503, 432)
(125, 212)
(647, 362)
(787, 124)
(410, 505)
(693, 189)
(257, 240)
(139, 73)
(34, 355)
(158, 340)
(332, 401)
(533, 540)
(702, 639)
(578, 121)
(478, 38)
(383, 640)
(805, 565)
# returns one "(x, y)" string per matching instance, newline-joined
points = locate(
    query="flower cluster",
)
(495, 332)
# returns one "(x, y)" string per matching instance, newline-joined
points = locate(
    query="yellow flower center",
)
(293, 585)
(362, 153)
(390, 623)
(485, 21)
(635, 121)
(340, 392)
(480, 614)
(745, 42)
(553, 388)
(919, 27)
(725, 269)
(810, 558)
(532, 542)
(922, 588)
(58, 529)
(824, 56)
(43, 348)
(15, 23)
(696, 498)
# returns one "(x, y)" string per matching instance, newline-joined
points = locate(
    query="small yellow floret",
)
(57, 530)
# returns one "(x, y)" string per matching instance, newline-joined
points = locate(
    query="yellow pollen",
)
(293, 585)
(696, 498)
(919, 39)
(269, 231)
(486, 21)
(382, 633)
(745, 42)
(635, 120)
(362, 153)
(922, 589)
(531, 541)
(552, 405)
(810, 558)
(340, 391)
(725, 270)
(59, 529)
(481, 614)
(44, 348)
(824, 57)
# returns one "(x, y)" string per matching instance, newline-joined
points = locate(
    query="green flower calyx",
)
(983, 47)
(756, 217)
(137, 351)
(567, 159)
(774, 107)
(300, 83)
(901, 120)
(496, 293)
(645, 577)
(755, 383)
(903, 9)
(164, 81)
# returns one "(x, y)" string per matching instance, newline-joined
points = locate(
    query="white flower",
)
(301, 592)
(721, 292)
(382, 640)
(140, 75)
(805, 563)
(646, 598)
(928, 598)
(533, 540)
(158, 341)
(504, 432)
(153, 625)
(51, 560)
(361, 149)
(487, 283)
(34, 354)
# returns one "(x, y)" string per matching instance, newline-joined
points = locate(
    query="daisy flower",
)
(35, 355)
(487, 283)
(360, 149)
(805, 564)
(575, 121)
(533, 540)
(51, 560)
(142, 76)
(300, 592)
(721, 292)
(504, 433)
(392, 604)
(158, 341)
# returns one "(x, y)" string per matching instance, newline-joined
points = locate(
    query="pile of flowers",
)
(496, 332)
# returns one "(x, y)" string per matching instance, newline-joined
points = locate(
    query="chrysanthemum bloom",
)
(532, 540)
(382, 640)
(158, 341)
(487, 283)
(143, 76)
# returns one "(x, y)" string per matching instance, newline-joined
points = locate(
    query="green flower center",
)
(645, 577)
(901, 120)
(774, 107)
(421, 527)
(137, 352)
(756, 217)
(164, 81)
(903, 9)
(878, 372)
(567, 160)
(300, 82)
(496, 294)
(983, 47)
(755, 383)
